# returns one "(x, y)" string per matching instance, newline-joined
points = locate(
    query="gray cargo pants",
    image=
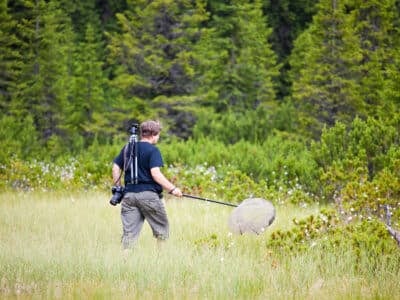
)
(135, 208)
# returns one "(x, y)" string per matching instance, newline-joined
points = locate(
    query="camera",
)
(117, 195)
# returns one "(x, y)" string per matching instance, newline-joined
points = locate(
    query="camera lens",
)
(118, 194)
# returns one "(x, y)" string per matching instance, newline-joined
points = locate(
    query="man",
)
(143, 200)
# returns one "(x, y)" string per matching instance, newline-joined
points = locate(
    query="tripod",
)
(133, 154)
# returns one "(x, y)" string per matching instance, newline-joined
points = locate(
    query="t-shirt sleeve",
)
(156, 159)
(119, 160)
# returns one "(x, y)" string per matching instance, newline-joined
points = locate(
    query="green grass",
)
(67, 246)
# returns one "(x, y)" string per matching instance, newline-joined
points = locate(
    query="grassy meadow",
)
(64, 245)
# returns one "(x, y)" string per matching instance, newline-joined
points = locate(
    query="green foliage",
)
(87, 107)
(305, 232)
(18, 138)
(280, 160)
(89, 170)
(205, 168)
(288, 19)
(8, 56)
(44, 40)
(366, 240)
(252, 125)
(363, 199)
(210, 242)
(154, 73)
(324, 88)
(375, 24)
(30, 176)
(208, 71)
(356, 155)
(340, 63)
(200, 67)
(236, 63)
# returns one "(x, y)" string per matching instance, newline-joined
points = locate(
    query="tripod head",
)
(134, 129)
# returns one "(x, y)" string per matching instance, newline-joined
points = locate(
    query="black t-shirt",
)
(149, 157)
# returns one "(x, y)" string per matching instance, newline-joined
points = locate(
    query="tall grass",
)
(64, 246)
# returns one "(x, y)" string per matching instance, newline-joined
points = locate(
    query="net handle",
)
(208, 200)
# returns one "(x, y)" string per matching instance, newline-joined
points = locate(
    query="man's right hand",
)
(177, 192)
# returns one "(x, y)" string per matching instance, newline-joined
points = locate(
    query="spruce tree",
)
(375, 25)
(238, 65)
(325, 87)
(287, 19)
(236, 74)
(18, 64)
(153, 58)
(8, 56)
(86, 109)
(45, 44)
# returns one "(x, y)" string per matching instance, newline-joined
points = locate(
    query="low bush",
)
(367, 238)
(350, 165)
(281, 160)
(354, 154)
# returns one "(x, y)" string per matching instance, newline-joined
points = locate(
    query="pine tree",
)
(17, 37)
(325, 87)
(153, 55)
(287, 19)
(18, 135)
(238, 65)
(236, 74)
(375, 25)
(87, 102)
(45, 45)
(8, 56)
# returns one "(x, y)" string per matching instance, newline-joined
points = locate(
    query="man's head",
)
(150, 129)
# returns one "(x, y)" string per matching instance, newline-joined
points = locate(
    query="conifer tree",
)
(287, 19)
(343, 65)
(17, 134)
(325, 87)
(153, 57)
(375, 25)
(238, 63)
(8, 56)
(45, 37)
(236, 74)
(18, 27)
(87, 102)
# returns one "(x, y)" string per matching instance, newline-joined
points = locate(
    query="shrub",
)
(354, 154)
(305, 232)
(368, 238)
(18, 138)
(252, 125)
(363, 199)
(281, 160)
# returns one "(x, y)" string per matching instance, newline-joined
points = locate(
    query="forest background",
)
(294, 101)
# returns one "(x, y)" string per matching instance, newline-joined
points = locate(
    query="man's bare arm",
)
(159, 177)
(116, 174)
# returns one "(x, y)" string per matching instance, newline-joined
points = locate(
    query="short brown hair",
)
(150, 128)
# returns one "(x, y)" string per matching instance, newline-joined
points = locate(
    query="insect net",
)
(253, 215)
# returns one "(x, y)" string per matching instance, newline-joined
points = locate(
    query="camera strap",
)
(130, 160)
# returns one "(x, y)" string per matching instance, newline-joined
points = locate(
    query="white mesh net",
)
(253, 215)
